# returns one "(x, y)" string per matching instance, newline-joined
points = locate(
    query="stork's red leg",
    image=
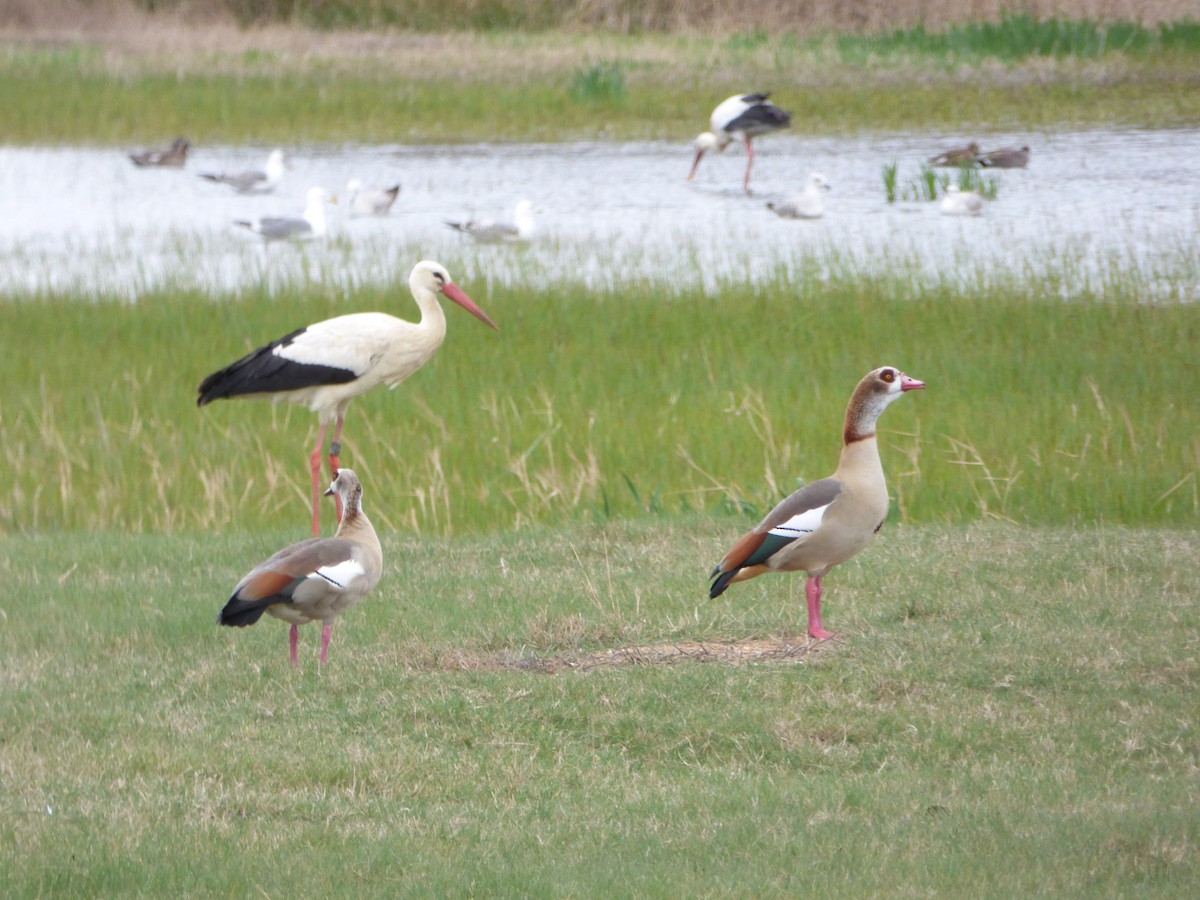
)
(335, 450)
(314, 466)
(812, 588)
(326, 633)
(293, 641)
(749, 163)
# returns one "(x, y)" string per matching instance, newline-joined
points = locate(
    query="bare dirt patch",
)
(750, 652)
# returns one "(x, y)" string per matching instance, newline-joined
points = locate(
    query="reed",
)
(891, 172)
(595, 405)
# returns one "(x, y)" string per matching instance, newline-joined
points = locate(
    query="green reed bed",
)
(593, 405)
(999, 694)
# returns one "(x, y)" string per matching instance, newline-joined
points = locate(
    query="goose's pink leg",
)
(293, 640)
(314, 466)
(326, 633)
(812, 589)
(335, 450)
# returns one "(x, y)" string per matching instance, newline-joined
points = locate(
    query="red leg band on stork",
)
(334, 464)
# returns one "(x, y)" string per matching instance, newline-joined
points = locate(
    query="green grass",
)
(592, 406)
(999, 694)
(508, 86)
(1021, 37)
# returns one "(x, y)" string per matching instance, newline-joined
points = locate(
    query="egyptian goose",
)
(311, 224)
(314, 580)
(173, 157)
(252, 181)
(369, 201)
(808, 204)
(326, 365)
(959, 156)
(828, 521)
(1006, 158)
(740, 118)
(521, 228)
(957, 202)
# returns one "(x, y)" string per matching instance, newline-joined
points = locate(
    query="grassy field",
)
(1009, 712)
(538, 700)
(593, 406)
(221, 85)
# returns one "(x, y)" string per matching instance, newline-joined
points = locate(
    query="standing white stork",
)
(740, 118)
(326, 365)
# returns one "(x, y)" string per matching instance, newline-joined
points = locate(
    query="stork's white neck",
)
(433, 318)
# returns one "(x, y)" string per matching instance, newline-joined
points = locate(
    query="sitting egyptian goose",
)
(173, 157)
(959, 156)
(316, 579)
(828, 521)
(1006, 158)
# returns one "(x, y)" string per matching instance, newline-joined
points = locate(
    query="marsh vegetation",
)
(1016, 673)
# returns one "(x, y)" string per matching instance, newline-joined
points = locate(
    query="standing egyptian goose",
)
(828, 521)
(314, 580)
(326, 365)
(740, 118)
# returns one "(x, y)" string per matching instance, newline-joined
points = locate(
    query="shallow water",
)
(1093, 207)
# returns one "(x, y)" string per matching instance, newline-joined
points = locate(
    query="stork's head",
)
(429, 276)
(705, 142)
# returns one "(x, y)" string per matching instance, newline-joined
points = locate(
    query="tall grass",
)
(593, 405)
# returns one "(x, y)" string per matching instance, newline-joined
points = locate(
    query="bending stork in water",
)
(741, 117)
(326, 365)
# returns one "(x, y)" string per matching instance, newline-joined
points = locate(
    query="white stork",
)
(326, 365)
(740, 118)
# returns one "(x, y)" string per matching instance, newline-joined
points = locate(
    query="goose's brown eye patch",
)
(888, 375)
